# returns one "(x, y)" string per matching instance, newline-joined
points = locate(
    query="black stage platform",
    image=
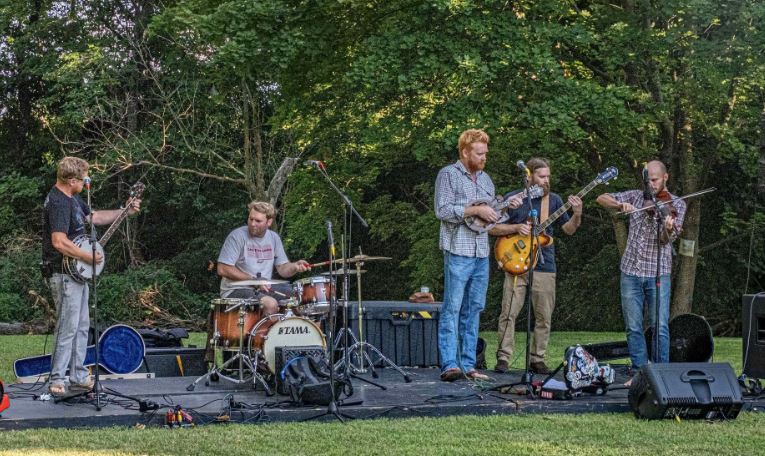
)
(426, 396)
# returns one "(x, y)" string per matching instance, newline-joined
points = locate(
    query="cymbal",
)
(362, 258)
(256, 282)
(341, 272)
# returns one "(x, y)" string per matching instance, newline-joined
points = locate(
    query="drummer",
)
(250, 253)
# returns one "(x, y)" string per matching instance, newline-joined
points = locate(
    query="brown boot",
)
(540, 368)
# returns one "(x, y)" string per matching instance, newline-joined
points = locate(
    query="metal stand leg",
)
(363, 346)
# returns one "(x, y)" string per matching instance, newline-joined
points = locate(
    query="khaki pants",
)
(513, 299)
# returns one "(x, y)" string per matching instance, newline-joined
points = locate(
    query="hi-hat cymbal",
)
(256, 282)
(341, 272)
(362, 258)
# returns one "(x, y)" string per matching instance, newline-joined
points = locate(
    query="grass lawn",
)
(604, 434)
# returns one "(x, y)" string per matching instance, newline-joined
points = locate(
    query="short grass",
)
(606, 434)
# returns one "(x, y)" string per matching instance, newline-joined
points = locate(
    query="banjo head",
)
(83, 269)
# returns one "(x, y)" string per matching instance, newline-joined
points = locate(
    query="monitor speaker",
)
(753, 335)
(686, 390)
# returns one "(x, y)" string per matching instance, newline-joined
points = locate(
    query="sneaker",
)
(475, 375)
(450, 375)
(57, 389)
(87, 386)
(502, 366)
(540, 368)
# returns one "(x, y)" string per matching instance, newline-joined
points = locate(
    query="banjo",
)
(82, 271)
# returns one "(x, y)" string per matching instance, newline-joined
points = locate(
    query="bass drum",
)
(279, 330)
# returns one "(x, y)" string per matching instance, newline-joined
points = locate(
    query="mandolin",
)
(480, 225)
(514, 252)
(82, 271)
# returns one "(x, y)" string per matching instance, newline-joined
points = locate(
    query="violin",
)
(666, 210)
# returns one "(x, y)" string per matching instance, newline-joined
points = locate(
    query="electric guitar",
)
(82, 271)
(480, 225)
(516, 253)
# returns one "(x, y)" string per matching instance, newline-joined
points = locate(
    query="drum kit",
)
(248, 337)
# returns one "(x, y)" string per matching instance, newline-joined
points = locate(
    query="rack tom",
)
(315, 294)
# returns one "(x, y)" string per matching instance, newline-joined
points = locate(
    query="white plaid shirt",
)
(639, 257)
(455, 188)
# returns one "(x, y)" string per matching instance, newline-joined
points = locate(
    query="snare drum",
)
(315, 294)
(226, 319)
(282, 331)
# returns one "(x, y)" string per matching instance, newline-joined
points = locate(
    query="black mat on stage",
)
(426, 395)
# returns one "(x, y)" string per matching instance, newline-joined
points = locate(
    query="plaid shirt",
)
(639, 257)
(455, 188)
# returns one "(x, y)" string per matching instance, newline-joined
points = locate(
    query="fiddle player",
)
(638, 264)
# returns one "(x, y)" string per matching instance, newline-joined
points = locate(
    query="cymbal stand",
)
(244, 361)
(360, 345)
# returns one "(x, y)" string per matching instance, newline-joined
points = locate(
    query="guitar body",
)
(516, 254)
(80, 270)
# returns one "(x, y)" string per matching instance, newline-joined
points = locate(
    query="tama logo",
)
(294, 330)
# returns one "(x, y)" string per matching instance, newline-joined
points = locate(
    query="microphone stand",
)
(528, 376)
(658, 206)
(97, 388)
(332, 408)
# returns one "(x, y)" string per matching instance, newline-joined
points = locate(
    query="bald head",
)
(657, 165)
(657, 176)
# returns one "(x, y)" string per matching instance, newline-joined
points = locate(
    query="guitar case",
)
(121, 351)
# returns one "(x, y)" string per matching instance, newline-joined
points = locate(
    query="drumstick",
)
(323, 263)
(276, 292)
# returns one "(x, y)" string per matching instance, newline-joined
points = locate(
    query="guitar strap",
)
(544, 211)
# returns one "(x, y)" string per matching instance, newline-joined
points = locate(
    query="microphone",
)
(317, 163)
(522, 166)
(86, 182)
(330, 238)
(647, 193)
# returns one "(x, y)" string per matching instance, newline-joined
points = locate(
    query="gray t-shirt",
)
(251, 254)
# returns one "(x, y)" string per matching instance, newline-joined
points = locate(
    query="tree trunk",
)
(761, 161)
(685, 273)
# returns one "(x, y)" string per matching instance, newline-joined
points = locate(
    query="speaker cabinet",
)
(284, 355)
(686, 390)
(753, 335)
(175, 362)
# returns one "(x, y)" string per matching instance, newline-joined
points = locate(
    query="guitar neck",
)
(115, 224)
(556, 215)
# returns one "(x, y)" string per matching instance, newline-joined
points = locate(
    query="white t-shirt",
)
(253, 255)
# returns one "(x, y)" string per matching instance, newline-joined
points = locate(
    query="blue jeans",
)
(636, 292)
(71, 334)
(465, 282)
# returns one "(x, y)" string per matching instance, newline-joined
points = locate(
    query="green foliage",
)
(130, 296)
(380, 91)
(20, 278)
(20, 195)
